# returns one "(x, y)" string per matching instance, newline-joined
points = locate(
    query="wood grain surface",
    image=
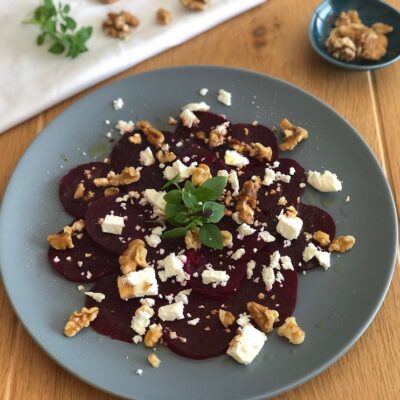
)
(272, 39)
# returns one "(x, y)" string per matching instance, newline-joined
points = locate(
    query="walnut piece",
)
(134, 256)
(195, 5)
(282, 201)
(192, 240)
(238, 145)
(292, 331)
(153, 360)
(322, 238)
(153, 135)
(153, 335)
(217, 136)
(126, 177)
(79, 191)
(79, 320)
(172, 121)
(227, 238)
(165, 156)
(226, 317)
(247, 201)
(200, 174)
(63, 240)
(263, 316)
(111, 191)
(293, 135)
(342, 243)
(260, 152)
(164, 17)
(291, 212)
(136, 138)
(119, 25)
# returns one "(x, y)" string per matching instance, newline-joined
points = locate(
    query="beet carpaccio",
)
(194, 238)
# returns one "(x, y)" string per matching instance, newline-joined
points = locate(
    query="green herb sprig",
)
(56, 24)
(190, 207)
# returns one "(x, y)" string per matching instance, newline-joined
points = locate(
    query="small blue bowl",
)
(370, 11)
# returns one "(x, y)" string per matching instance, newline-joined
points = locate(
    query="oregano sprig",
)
(193, 207)
(56, 25)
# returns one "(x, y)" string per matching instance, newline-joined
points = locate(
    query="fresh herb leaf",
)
(60, 28)
(217, 185)
(174, 181)
(171, 209)
(173, 197)
(174, 233)
(213, 212)
(211, 236)
(203, 193)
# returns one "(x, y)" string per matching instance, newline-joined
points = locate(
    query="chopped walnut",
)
(292, 331)
(380, 27)
(165, 156)
(126, 177)
(293, 135)
(263, 316)
(153, 360)
(164, 17)
(63, 240)
(195, 5)
(322, 238)
(79, 191)
(78, 226)
(192, 240)
(200, 174)
(119, 25)
(89, 195)
(226, 317)
(202, 136)
(153, 335)
(111, 191)
(136, 138)
(227, 238)
(346, 18)
(134, 256)
(247, 202)
(291, 212)
(79, 320)
(342, 243)
(282, 201)
(260, 152)
(237, 145)
(217, 136)
(153, 135)
(172, 121)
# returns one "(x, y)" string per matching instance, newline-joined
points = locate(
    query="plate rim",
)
(310, 375)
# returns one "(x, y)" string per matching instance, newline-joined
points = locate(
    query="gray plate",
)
(334, 307)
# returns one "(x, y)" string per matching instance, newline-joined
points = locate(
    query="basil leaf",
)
(71, 24)
(203, 193)
(217, 185)
(57, 48)
(211, 236)
(173, 181)
(189, 187)
(182, 218)
(173, 197)
(172, 209)
(189, 199)
(217, 211)
(174, 233)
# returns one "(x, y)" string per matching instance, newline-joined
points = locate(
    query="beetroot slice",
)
(136, 216)
(71, 180)
(74, 265)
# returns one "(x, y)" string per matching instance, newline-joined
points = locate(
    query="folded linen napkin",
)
(32, 80)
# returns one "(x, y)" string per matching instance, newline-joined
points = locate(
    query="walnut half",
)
(247, 202)
(263, 316)
(192, 240)
(63, 240)
(154, 136)
(293, 135)
(292, 331)
(120, 25)
(79, 320)
(195, 5)
(226, 317)
(200, 174)
(134, 256)
(342, 243)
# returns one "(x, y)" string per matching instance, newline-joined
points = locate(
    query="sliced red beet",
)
(84, 174)
(86, 262)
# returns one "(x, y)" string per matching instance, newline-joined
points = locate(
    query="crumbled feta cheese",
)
(223, 172)
(183, 296)
(99, 297)
(108, 135)
(171, 312)
(146, 157)
(269, 177)
(56, 259)
(323, 257)
(238, 254)
(268, 276)
(282, 177)
(178, 168)
(143, 283)
(214, 276)
(154, 239)
(325, 182)
(112, 224)
(246, 345)
(139, 372)
(224, 97)
(286, 263)
(137, 339)
(141, 319)
(188, 118)
(118, 103)
(234, 181)
(156, 199)
(125, 127)
(279, 277)
(250, 269)
(274, 260)
(232, 157)
(107, 121)
(347, 199)
(172, 267)
(194, 321)
(292, 171)
(245, 230)
(243, 320)
(202, 106)
(266, 236)
(289, 227)
(203, 91)
(302, 185)
(148, 302)
(235, 217)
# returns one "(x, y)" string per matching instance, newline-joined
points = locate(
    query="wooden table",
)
(271, 39)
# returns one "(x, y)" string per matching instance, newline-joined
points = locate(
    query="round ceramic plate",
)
(334, 307)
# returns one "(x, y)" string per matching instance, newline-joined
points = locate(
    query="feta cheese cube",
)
(188, 118)
(141, 320)
(245, 230)
(266, 236)
(286, 263)
(156, 199)
(138, 284)
(202, 106)
(146, 157)
(214, 276)
(289, 227)
(172, 267)
(112, 224)
(171, 312)
(246, 345)
(154, 239)
(269, 177)
(323, 257)
(325, 182)
(224, 97)
(178, 168)
(235, 159)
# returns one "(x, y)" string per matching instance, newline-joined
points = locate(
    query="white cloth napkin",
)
(31, 79)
